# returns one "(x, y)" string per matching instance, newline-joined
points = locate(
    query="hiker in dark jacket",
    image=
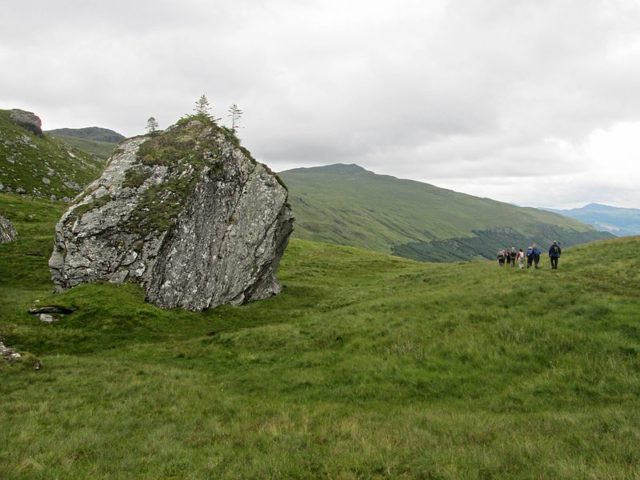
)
(514, 254)
(529, 256)
(536, 255)
(501, 257)
(554, 254)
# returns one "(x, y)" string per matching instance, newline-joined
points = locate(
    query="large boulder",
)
(7, 232)
(27, 120)
(187, 213)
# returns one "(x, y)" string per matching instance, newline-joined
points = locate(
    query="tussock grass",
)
(366, 366)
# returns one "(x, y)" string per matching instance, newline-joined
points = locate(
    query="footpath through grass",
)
(366, 366)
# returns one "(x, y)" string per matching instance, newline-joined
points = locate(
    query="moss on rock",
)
(135, 177)
(186, 150)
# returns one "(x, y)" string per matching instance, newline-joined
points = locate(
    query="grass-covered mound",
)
(366, 366)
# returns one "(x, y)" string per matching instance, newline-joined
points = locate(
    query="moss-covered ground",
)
(366, 366)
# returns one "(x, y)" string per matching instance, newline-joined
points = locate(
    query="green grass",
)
(347, 205)
(101, 150)
(98, 134)
(366, 366)
(42, 166)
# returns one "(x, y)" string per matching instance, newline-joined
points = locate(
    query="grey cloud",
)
(442, 91)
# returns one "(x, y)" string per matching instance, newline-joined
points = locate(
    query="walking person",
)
(521, 259)
(529, 256)
(554, 254)
(536, 255)
(501, 257)
(514, 255)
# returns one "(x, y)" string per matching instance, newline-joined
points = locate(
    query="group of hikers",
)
(531, 256)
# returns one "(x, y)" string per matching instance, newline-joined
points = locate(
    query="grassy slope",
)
(25, 159)
(367, 366)
(347, 205)
(101, 150)
(89, 133)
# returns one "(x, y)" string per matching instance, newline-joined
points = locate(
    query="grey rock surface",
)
(7, 232)
(188, 214)
(27, 120)
(8, 353)
(48, 318)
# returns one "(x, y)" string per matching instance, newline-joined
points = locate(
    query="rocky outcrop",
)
(188, 214)
(8, 356)
(8, 353)
(7, 232)
(27, 120)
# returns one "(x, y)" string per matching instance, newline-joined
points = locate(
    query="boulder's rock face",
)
(187, 213)
(27, 120)
(7, 232)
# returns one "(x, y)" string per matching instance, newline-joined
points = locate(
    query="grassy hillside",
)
(40, 165)
(89, 133)
(100, 142)
(347, 205)
(101, 150)
(366, 366)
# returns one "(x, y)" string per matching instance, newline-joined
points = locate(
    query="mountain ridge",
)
(619, 221)
(349, 205)
(99, 142)
(99, 134)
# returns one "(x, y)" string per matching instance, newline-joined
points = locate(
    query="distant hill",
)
(89, 133)
(94, 140)
(348, 205)
(618, 221)
(40, 165)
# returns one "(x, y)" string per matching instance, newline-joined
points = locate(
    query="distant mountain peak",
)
(348, 205)
(345, 168)
(617, 220)
(336, 168)
(89, 133)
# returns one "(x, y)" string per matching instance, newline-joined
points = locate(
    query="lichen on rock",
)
(7, 231)
(187, 213)
(10, 357)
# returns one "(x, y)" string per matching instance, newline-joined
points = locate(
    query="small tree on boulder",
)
(236, 114)
(152, 125)
(203, 107)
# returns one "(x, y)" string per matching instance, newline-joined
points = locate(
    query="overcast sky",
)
(533, 102)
